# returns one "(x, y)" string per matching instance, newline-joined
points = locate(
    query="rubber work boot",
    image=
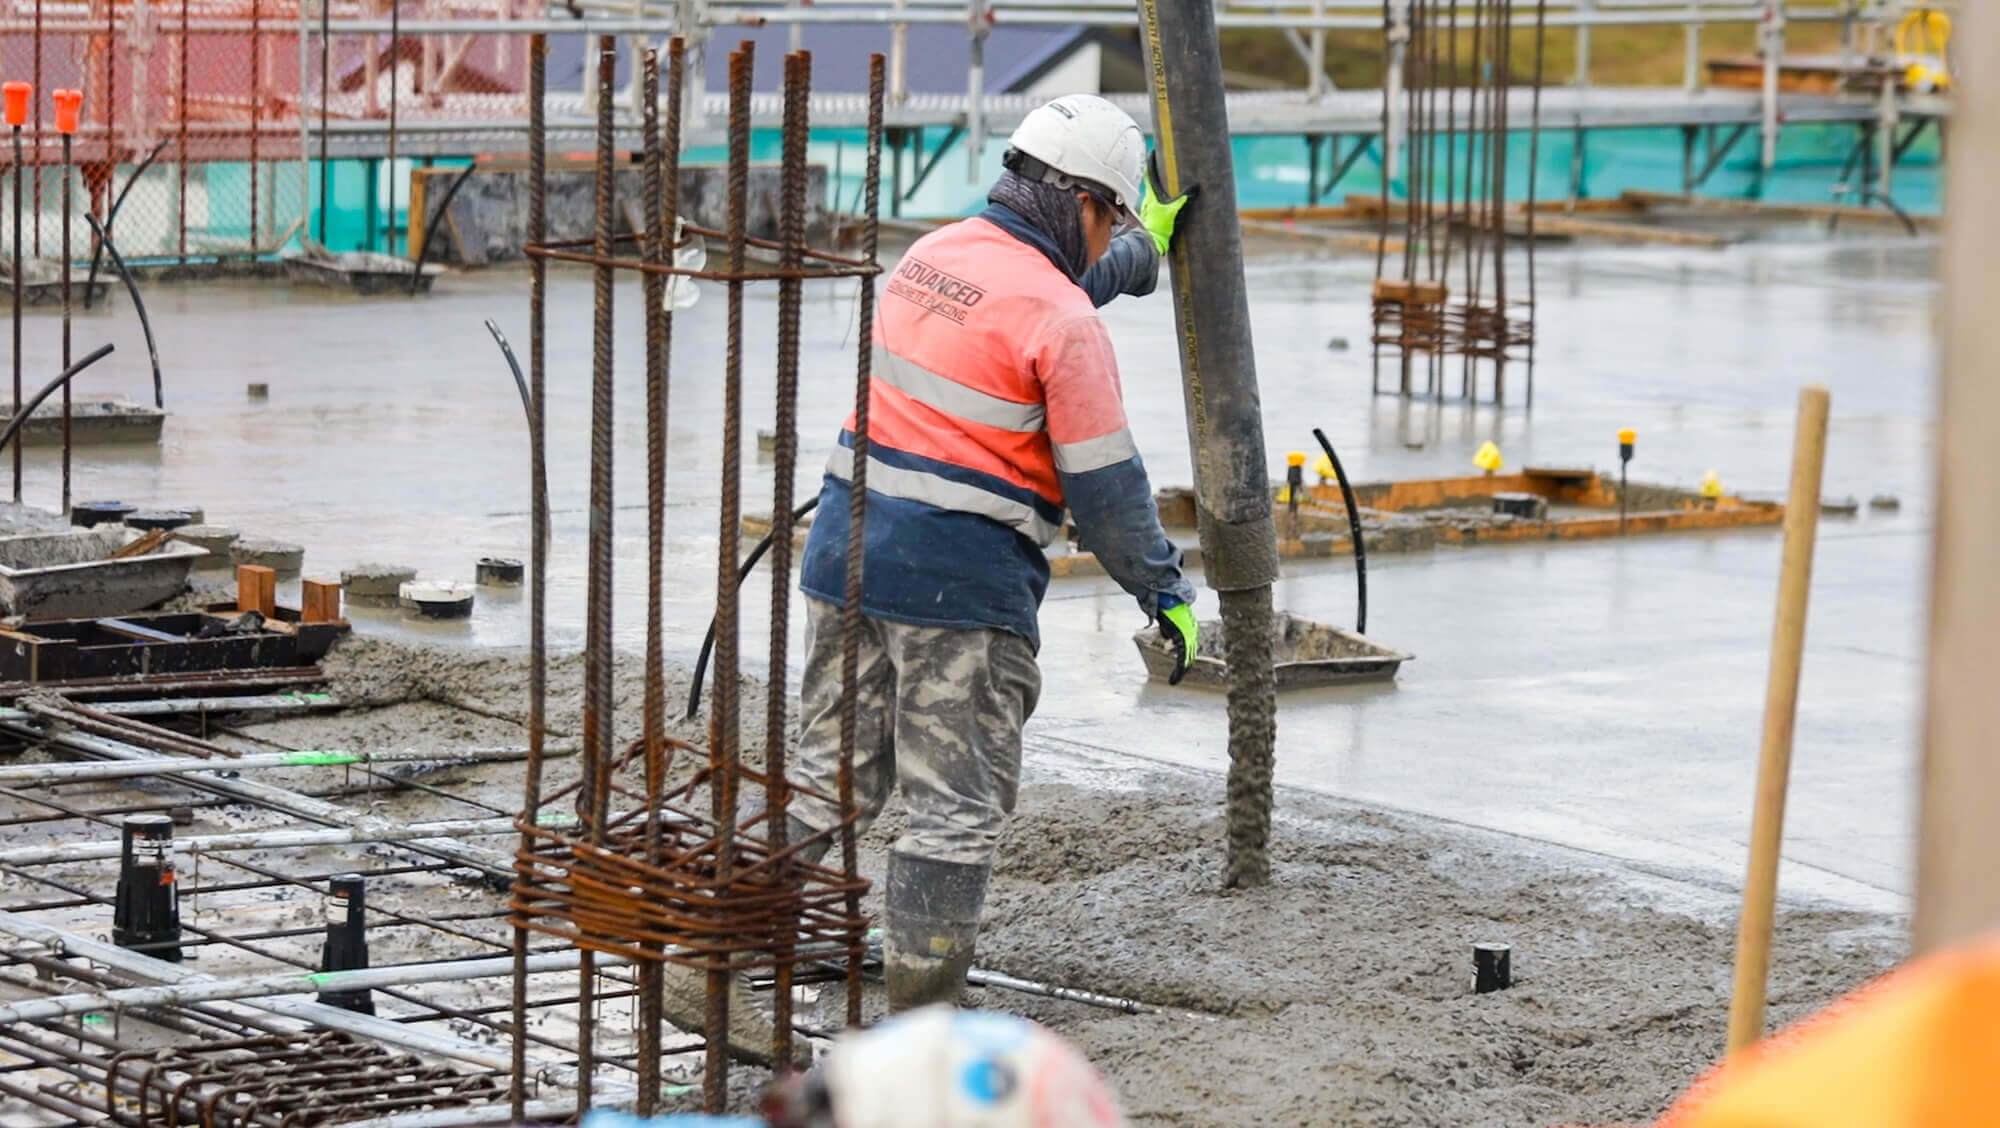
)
(751, 1030)
(796, 831)
(932, 923)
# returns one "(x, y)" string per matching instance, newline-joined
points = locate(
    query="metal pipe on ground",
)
(177, 765)
(268, 840)
(493, 864)
(1225, 421)
(274, 986)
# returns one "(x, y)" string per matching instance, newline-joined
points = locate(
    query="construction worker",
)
(995, 405)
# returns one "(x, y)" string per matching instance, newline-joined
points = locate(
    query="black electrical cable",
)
(424, 244)
(111, 217)
(1353, 531)
(742, 573)
(15, 424)
(138, 303)
(541, 483)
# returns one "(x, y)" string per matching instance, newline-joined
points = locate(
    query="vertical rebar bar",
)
(1503, 81)
(538, 50)
(792, 237)
(17, 306)
(654, 708)
(595, 796)
(723, 755)
(181, 108)
(395, 86)
(36, 81)
(857, 516)
(325, 74)
(1534, 170)
(69, 155)
(256, 109)
(110, 104)
(1382, 216)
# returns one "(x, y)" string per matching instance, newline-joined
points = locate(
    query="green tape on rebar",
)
(311, 759)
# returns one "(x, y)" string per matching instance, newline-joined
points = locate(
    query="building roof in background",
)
(935, 64)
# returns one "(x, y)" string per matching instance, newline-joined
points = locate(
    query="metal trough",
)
(362, 272)
(92, 421)
(70, 573)
(1309, 655)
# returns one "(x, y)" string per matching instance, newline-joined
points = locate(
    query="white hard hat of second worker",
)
(1085, 141)
(941, 1068)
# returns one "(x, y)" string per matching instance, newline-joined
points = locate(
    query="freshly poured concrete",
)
(1603, 695)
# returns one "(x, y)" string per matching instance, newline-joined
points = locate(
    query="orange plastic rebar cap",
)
(69, 108)
(17, 95)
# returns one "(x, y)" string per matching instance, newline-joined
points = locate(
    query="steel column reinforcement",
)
(671, 866)
(1422, 312)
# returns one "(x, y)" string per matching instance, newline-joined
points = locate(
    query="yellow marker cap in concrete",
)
(1488, 457)
(1711, 485)
(1296, 458)
(1628, 436)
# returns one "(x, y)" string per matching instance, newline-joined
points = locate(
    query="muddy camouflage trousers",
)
(940, 711)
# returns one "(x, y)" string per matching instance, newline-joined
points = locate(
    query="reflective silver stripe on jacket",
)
(920, 485)
(953, 398)
(1095, 454)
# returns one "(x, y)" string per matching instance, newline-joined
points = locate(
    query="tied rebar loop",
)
(857, 511)
(654, 707)
(538, 51)
(633, 858)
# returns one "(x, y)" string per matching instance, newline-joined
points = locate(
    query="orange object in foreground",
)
(69, 108)
(17, 95)
(1918, 1047)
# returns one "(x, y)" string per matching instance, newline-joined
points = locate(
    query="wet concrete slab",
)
(1602, 695)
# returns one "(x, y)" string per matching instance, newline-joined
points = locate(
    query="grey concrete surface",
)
(1599, 695)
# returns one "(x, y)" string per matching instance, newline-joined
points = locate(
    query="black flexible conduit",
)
(541, 483)
(1353, 531)
(424, 244)
(742, 573)
(111, 218)
(138, 303)
(20, 419)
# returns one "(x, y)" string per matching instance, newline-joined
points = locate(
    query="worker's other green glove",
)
(1177, 626)
(1158, 216)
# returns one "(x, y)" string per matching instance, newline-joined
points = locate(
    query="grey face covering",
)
(1053, 211)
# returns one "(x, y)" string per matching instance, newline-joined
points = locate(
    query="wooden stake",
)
(1781, 702)
(1958, 837)
(256, 589)
(319, 602)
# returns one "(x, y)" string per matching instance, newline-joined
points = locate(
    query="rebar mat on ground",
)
(283, 1081)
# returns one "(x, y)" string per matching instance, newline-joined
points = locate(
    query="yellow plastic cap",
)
(1711, 485)
(1488, 457)
(1296, 458)
(1628, 436)
(1323, 466)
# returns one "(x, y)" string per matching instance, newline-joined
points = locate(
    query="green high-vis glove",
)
(1178, 627)
(1158, 216)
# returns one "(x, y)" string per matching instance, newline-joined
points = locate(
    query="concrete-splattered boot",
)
(932, 923)
(796, 831)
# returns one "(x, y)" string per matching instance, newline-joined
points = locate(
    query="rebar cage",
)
(658, 867)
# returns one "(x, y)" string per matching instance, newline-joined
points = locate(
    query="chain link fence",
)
(201, 132)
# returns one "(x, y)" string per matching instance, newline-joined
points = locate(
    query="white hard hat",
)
(943, 1068)
(1083, 138)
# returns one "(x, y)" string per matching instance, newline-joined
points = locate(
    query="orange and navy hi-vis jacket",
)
(994, 405)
